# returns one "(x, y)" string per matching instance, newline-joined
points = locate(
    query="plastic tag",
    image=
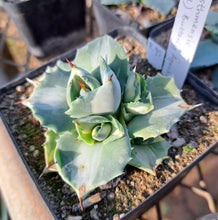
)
(155, 54)
(186, 32)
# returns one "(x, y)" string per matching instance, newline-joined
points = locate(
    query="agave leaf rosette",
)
(100, 116)
(87, 95)
(137, 98)
(79, 105)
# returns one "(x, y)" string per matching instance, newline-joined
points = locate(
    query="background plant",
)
(163, 6)
(207, 51)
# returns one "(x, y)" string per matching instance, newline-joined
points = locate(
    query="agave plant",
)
(101, 116)
(207, 51)
(211, 24)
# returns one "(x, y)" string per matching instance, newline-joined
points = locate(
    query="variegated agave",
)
(112, 116)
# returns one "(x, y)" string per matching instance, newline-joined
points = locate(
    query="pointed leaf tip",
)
(69, 63)
(81, 85)
(184, 105)
(22, 101)
(110, 78)
(18, 103)
(81, 204)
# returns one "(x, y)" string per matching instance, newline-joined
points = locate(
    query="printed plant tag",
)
(155, 54)
(186, 32)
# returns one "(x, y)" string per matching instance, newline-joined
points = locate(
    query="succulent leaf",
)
(131, 89)
(136, 89)
(91, 127)
(48, 100)
(212, 18)
(163, 6)
(79, 75)
(107, 75)
(101, 101)
(86, 167)
(169, 107)
(147, 156)
(101, 132)
(49, 148)
(137, 97)
(211, 24)
(138, 108)
(89, 56)
(206, 54)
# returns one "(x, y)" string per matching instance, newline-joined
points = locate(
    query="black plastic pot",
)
(48, 27)
(107, 20)
(11, 147)
(202, 90)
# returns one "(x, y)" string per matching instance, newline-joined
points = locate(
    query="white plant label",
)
(155, 54)
(186, 32)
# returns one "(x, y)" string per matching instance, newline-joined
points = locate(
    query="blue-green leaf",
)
(49, 148)
(102, 101)
(85, 167)
(88, 58)
(77, 76)
(138, 108)
(48, 100)
(211, 24)
(149, 155)
(168, 108)
(131, 90)
(86, 125)
(206, 54)
(136, 89)
(137, 97)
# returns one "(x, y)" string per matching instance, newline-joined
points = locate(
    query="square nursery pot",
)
(127, 196)
(111, 16)
(48, 27)
(161, 35)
